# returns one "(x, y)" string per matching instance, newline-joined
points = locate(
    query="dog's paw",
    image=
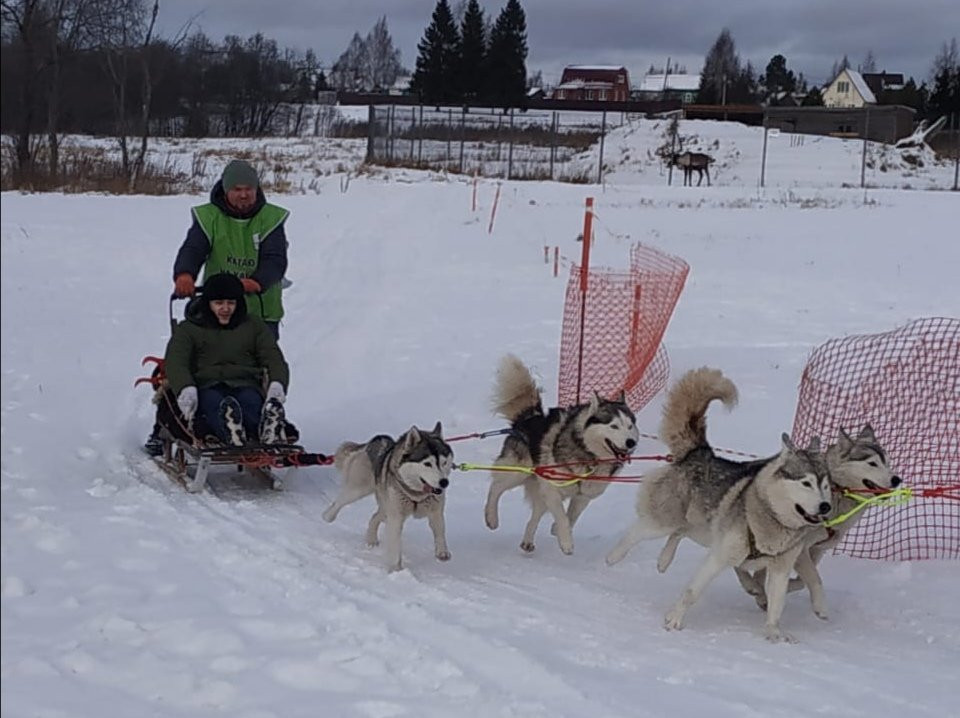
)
(662, 564)
(775, 635)
(761, 602)
(329, 515)
(527, 547)
(567, 548)
(822, 614)
(493, 522)
(442, 555)
(673, 621)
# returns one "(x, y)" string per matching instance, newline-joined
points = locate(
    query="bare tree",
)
(382, 58)
(349, 71)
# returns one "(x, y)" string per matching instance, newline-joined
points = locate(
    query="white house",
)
(674, 86)
(848, 89)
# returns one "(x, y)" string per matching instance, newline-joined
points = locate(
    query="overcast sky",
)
(904, 35)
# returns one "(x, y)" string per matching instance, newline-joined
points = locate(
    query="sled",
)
(190, 464)
(188, 459)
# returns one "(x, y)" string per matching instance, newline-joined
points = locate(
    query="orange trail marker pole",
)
(584, 274)
(493, 210)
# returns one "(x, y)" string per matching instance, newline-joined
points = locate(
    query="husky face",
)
(802, 483)
(860, 463)
(610, 429)
(425, 460)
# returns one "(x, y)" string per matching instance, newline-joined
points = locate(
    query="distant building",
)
(848, 89)
(677, 86)
(880, 123)
(605, 83)
(879, 82)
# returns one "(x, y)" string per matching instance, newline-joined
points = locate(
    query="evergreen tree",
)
(777, 77)
(744, 88)
(814, 98)
(945, 96)
(507, 58)
(435, 79)
(473, 53)
(869, 63)
(721, 66)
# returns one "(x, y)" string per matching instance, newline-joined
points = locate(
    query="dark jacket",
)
(202, 352)
(272, 255)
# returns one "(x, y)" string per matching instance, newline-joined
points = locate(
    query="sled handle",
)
(173, 298)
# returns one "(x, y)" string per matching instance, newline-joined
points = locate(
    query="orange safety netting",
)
(623, 317)
(906, 384)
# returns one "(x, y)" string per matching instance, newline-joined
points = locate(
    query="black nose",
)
(825, 507)
(444, 483)
(895, 481)
(631, 443)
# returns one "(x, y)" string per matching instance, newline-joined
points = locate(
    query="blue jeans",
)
(251, 405)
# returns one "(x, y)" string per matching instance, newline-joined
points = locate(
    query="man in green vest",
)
(240, 233)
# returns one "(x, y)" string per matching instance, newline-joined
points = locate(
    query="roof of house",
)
(579, 84)
(604, 68)
(661, 82)
(862, 87)
(879, 81)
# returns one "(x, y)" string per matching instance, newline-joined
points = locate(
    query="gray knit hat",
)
(238, 172)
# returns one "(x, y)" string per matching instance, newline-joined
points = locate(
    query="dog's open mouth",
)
(618, 453)
(427, 488)
(807, 517)
(869, 485)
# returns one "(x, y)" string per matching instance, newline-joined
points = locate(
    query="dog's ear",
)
(595, 402)
(814, 446)
(622, 399)
(787, 442)
(438, 430)
(866, 433)
(844, 441)
(411, 437)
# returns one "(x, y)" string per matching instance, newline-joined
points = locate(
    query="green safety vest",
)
(235, 248)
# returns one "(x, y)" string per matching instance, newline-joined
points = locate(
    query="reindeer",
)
(690, 161)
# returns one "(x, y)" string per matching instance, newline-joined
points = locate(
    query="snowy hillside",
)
(124, 596)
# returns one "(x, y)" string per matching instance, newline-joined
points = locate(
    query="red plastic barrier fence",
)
(906, 384)
(623, 317)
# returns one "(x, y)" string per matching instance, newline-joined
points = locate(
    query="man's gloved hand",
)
(183, 285)
(250, 286)
(187, 401)
(275, 391)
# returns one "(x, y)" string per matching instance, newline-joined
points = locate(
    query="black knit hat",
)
(222, 286)
(238, 172)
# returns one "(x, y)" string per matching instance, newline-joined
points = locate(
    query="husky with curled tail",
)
(750, 515)
(593, 438)
(408, 476)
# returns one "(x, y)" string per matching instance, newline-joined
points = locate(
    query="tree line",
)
(725, 79)
(99, 67)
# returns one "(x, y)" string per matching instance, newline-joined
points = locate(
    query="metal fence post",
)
(449, 132)
(956, 150)
(553, 141)
(420, 143)
(863, 157)
(463, 134)
(510, 149)
(603, 132)
(413, 130)
(371, 130)
(763, 160)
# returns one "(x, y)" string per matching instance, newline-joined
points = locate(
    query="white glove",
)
(275, 391)
(187, 401)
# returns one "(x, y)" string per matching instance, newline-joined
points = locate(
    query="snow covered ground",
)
(122, 595)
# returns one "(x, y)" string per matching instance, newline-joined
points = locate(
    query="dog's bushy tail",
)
(344, 452)
(515, 391)
(684, 425)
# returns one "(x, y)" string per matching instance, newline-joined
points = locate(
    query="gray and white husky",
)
(595, 438)
(408, 477)
(751, 515)
(854, 464)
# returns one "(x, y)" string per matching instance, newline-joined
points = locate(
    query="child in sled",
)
(215, 364)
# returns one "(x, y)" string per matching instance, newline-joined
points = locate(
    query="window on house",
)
(603, 94)
(843, 87)
(589, 94)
